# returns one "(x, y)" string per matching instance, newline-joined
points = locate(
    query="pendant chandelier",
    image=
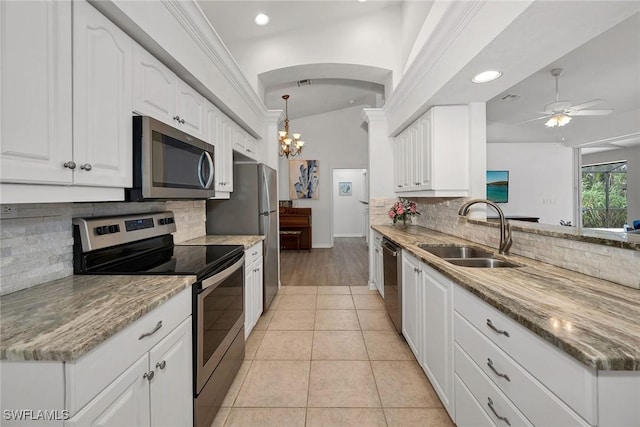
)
(290, 144)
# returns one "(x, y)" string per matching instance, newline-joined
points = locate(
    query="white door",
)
(411, 301)
(35, 92)
(171, 386)
(124, 403)
(102, 100)
(190, 109)
(154, 87)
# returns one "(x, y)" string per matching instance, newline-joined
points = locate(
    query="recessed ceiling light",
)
(261, 19)
(361, 1)
(486, 76)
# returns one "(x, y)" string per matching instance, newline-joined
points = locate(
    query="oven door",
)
(173, 163)
(220, 317)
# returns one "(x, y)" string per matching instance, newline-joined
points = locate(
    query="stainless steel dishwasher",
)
(392, 266)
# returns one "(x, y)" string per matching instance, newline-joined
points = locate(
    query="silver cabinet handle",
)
(255, 253)
(377, 251)
(148, 334)
(499, 331)
(148, 375)
(182, 121)
(416, 183)
(87, 167)
(495, 371)
(176, 118)
(501, 418)
(70, 165)
(399, 186)
(161, 365)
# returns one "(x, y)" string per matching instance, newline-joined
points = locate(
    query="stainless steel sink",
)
(481, 262)
(466, 256)
(456, 251)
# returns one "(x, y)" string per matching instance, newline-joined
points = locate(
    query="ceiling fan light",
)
(486, 76)
(557, 120)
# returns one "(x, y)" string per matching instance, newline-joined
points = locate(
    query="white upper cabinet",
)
(159, 93)
(35, 89)
(432, 154)
(102, 74)
(217, 123)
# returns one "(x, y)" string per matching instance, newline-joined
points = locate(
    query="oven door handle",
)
(219, 278)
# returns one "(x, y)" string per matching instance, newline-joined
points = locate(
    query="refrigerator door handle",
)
(266, 186)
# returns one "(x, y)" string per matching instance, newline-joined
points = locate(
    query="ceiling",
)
(605, 67)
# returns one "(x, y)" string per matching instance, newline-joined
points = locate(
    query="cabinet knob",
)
(70, 164)
(399, 186)
(87, 167)
(148, 375)
(176, 118)
(182, 121)
(416, 183)
(161, 365)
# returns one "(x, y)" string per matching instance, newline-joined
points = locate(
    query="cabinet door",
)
(413, 165)
(102, 100)
(257, 291)
(171, 386)
(190, 109)
(249, 289)
(154, 87)
(425, 153)
(411, 301)
(216, 129)
(125, 402)
(398, 163)
(228, 137)
(35, 101)
(437, 306)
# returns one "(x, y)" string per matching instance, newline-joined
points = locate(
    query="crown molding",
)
(373, 115)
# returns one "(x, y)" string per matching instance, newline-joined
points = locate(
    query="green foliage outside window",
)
(604, 195)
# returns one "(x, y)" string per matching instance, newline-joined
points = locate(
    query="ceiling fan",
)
(560, 113)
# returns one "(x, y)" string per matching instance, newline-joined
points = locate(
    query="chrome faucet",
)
(505, 228)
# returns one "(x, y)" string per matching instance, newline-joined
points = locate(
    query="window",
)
(604, 195)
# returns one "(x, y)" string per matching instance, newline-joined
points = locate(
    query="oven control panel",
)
(97, 233)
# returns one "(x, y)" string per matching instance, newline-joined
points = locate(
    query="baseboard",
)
(348, 235)
(321, 246)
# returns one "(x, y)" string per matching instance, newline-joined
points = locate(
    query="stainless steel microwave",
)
(169, 164)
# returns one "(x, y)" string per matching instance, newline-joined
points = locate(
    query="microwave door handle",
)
(200, 162)
(211, 169)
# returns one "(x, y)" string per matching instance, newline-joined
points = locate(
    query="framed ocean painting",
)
(498, 186)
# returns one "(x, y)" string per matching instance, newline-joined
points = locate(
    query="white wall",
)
(347, 210)
(337, 140)
(632, 156)
(540, 179)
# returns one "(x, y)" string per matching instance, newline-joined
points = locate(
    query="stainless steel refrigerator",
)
(252, 209)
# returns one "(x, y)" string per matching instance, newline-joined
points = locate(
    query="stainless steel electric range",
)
(143, 244)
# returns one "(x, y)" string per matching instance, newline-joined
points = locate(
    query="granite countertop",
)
(593, 320)
(64, 319)
(247, 241)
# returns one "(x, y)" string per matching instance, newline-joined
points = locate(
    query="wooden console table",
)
(295, 219)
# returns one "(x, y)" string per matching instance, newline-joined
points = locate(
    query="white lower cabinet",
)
(253, 285)
(427, 324)
(376, 274)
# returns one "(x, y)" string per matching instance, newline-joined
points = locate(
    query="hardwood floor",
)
(346, 264)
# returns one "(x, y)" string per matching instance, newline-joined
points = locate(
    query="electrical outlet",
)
(9, 212)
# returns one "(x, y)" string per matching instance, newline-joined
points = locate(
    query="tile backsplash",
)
(37, 245)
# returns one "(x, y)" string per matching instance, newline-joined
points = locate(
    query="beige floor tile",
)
(285, 345)
(292, 320)
(221, 417)
(402, 384)
(236, 384)
(368, 302)
(339, 345)
(334, 302)
(299, 290)
(342, 384)
(334, 290)
(266, 417)
(375, 320)
(431, 417)
(386, 345)
(297, 302)
(264, 320)
(363, 290)
(336, 320)
(252, 344)
(275, 302)
(275, 384)
(346, 417)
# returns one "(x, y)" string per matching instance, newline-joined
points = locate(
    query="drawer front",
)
(253, 253)
(93, 372)
(495, 404)
(572, 382)
(469, 413)
(539, 405)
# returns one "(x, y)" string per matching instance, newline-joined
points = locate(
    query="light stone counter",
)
(64, 319)
(595, 321)
(246, 241)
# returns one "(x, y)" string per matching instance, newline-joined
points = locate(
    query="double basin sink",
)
(466, 256)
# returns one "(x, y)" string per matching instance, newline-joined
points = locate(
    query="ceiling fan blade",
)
(590, 113)
(586, 104)
(533, 120)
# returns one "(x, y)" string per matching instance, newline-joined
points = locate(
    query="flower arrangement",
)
(403, 210)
